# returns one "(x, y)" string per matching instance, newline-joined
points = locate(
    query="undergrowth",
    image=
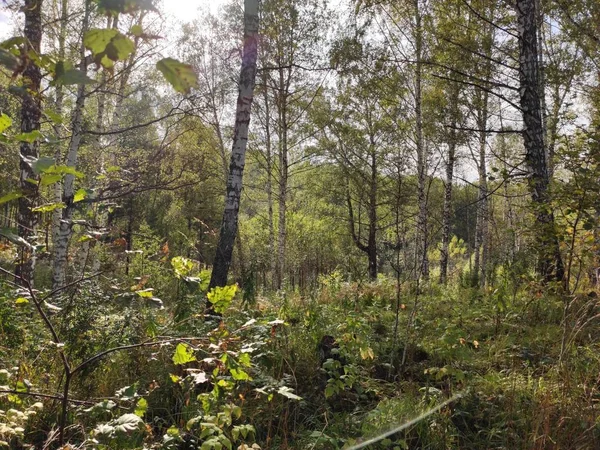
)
(525, 363)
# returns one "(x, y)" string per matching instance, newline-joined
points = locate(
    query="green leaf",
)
(120, 48)
(14, 238)
(21, 301)
(64, 170)
(10, 197)
(30, 137)
(47, 179)
(145, 293)
(49, 207)
(80, 195)
(41, 165)
(141, 407)
(287, 392)
(182, 266)
(183, 354)
(8, 60)
(103, 406)
(54, 117)
(221, 297)
(5, 122)
(129, 424)
(108, 45)
(136, 30)
(239, 375)
(73, 76)
(244, 359)
(181, 76)
(97, 39)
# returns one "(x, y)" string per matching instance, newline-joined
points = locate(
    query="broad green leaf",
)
(97, 39)
(8, 60)
(10, 197)
(14, 238)
(30, 137)
(239, 375)
(181, 76)
(129, 424)
(56, 118)
(65, 170)
(145, 293)
(205, 279)
(141, 407)
(49, 207)
(21, 301)
(49, 178)
(80, 195)
(41, 165)
(103, 406)
(287, 392)
(73, 76)
(244, 359)
(221, 297)
(5, 122)
(120, 48)
(136, 30)
(182, 266)
(108, 45)
(183, 354)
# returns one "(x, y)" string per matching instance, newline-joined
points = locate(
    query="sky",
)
(186, 10)
(177, 11)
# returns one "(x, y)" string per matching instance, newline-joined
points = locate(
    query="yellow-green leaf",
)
(181, 76)
(141, 407)
(79, 195)
(10, 196)
(5, 122)
(183, 354)
(49, 207)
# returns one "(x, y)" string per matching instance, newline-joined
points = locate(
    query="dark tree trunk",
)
(372, 243)
(229, 226)
(31, 113)
(422, 154)
(447, 215)
(549, 258)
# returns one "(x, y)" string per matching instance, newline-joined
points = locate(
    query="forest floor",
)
(512, 369)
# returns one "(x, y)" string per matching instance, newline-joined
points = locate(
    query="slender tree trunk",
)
(58, 105)
(372, 242)
(422, 225)
(229, 225)
(31, 113)
(269, 184)
(283, 178)
(481, 228)
(59, 273)
(550, 263)
(447, 214)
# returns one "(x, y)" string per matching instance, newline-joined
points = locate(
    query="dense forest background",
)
(292, 224)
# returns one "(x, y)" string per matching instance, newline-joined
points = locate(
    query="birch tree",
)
(549, 258)
(229, 226)
(31, 114)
